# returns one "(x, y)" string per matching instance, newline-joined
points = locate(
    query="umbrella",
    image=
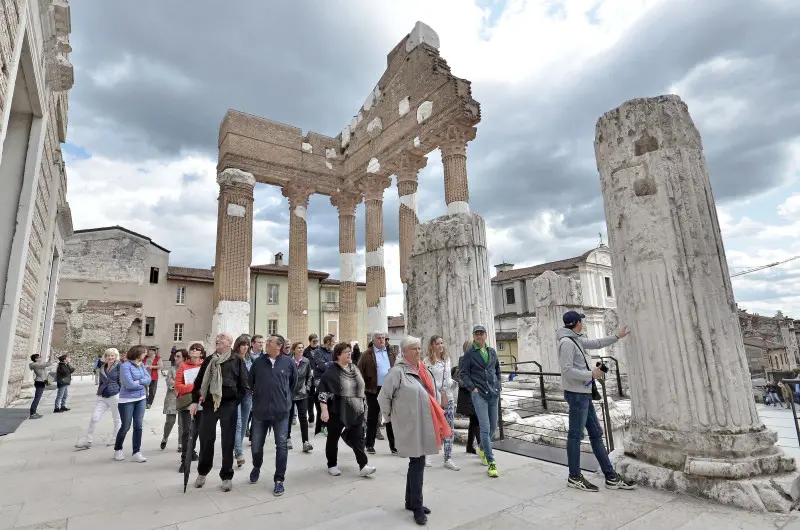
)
(187, 456)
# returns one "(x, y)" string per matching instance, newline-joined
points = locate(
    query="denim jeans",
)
(258, 434)
(37, 396)
(486, 411)
(61, 397)
(131, 412)
(241, 424)
(582, 415)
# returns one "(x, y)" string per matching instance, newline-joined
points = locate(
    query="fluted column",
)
(407, 172)
(692, 399)
(346, 202)
(453, 145)
(372, 187)
(234, 252)
(298, 195)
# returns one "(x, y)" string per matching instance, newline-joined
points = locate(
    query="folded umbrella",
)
(187, 455)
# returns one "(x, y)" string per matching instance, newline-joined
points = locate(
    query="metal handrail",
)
(788, 383)
(620, 391)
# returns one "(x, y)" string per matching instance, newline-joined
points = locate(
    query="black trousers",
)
(227, 415)
(300, 411)
(151, 391)
(473, 433)
(373, 417)
(312, 402)
(414, 479)
(37, 396)
(353, 437)
(186, 419)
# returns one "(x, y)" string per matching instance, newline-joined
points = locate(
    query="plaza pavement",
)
(46, 483)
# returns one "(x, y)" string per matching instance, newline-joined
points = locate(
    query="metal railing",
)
(541, 405)
(617, 372)
(789, 383)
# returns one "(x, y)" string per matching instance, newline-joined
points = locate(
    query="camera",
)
(603, 367)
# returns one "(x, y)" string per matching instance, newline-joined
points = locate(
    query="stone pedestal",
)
(234, 253)
(449, 287)
(692, 400)
(527, 342)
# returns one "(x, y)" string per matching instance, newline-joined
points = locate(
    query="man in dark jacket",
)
(374, 364)
(63, 380)
(272, 379)
(480, 374)
(222, 384)
(322, 359)
(308, 353)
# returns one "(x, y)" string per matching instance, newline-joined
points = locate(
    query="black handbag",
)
(596, 396)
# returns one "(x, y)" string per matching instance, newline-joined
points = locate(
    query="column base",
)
(779, 492)
(231, 317)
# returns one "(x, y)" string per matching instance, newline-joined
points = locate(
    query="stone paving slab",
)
(46, 483)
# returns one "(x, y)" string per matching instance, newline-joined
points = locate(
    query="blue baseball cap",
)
(573, 317)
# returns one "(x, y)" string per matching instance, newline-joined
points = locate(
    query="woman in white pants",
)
(107, 395)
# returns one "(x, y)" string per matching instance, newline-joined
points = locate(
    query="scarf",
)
(212, 380)
(440, 426)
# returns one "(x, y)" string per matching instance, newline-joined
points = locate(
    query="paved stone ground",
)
(46, 483)
(780, 420)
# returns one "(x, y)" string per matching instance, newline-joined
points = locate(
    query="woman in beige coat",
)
(410, 400)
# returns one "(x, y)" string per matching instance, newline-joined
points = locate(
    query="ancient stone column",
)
(298, 195)
(372, 187)
(453, 145)
(346, 202)
(407, 171)
(693, 413)
(234, 252)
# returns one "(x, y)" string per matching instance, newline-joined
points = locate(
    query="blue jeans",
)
(131, 412)
(61, 397)
(241, 424)
(258, 434)
(582, 415)
(486, 411)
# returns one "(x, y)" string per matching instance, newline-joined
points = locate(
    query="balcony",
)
(330, 307)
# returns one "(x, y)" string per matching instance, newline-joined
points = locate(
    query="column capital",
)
(407, 165)
(297, 193)
(372, 187)
(454, 137)
(346, 201)
(231, 176)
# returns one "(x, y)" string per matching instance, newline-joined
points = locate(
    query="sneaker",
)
(147, 406)
(254, 475)
(278, 490)
(425, 509)
(307, 447)
(35, 416)
(84, 445)
(200, 481)
(367, 471)
(65, 409)
(580, 483)
(492, 471)
(449, 464)
(472, 451)
(289, 445)
(119, 456)
(371, 450)
(483, 457)
(334, 471)
(379, 435)
(620, 484)
(227, 485)
(139, 458)
(56, 411)
(163, 444)
(428, 462)
(325, 432)
(240, 461)
(394, 451)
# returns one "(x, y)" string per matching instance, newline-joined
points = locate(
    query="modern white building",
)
(34, 214)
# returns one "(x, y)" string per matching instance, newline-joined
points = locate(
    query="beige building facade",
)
(35, 78)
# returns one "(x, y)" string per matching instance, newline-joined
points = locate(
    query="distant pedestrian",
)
(63, 380)
(302, 386)
(154, 365)
(39, 368)
(132, 401)
(322, 360)
(107, 395)
(308, 353)
(241, 348)
(171, 400)
(437, 361)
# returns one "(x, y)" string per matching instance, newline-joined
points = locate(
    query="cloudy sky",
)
(154, 79)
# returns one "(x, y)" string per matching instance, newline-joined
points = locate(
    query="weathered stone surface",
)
(93, 321)
(618, 350)
(527, 343)
(230, 316)
(449, 281)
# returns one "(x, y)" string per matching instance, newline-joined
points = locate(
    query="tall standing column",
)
(298, 195)
(407, 172)
(453, 145)
(692, 399)
(346, 203)
(234, 252)
(373, 186)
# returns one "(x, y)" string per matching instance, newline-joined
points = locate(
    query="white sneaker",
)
(367, 471)
(428, 462)
(119, 456)
(334, 471)
(200, 481)
(139, 458)
(84, 445)
(449, 464)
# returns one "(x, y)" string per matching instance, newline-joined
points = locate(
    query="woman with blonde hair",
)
(438, 363)
(107, 395)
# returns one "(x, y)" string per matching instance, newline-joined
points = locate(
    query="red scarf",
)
(440, 425)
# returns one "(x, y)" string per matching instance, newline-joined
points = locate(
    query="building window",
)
(330, 296)
(511, 298)
(153, 274)
(149, 326)
(177, 335)
(180, 298)
(272, 293)
(272, 327)
(609, 290)
(501, 346)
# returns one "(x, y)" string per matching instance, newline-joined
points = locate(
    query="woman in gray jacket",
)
(300, 396)
(39, 368)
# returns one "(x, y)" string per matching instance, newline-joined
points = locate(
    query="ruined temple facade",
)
(35, 218)
(416, 106)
